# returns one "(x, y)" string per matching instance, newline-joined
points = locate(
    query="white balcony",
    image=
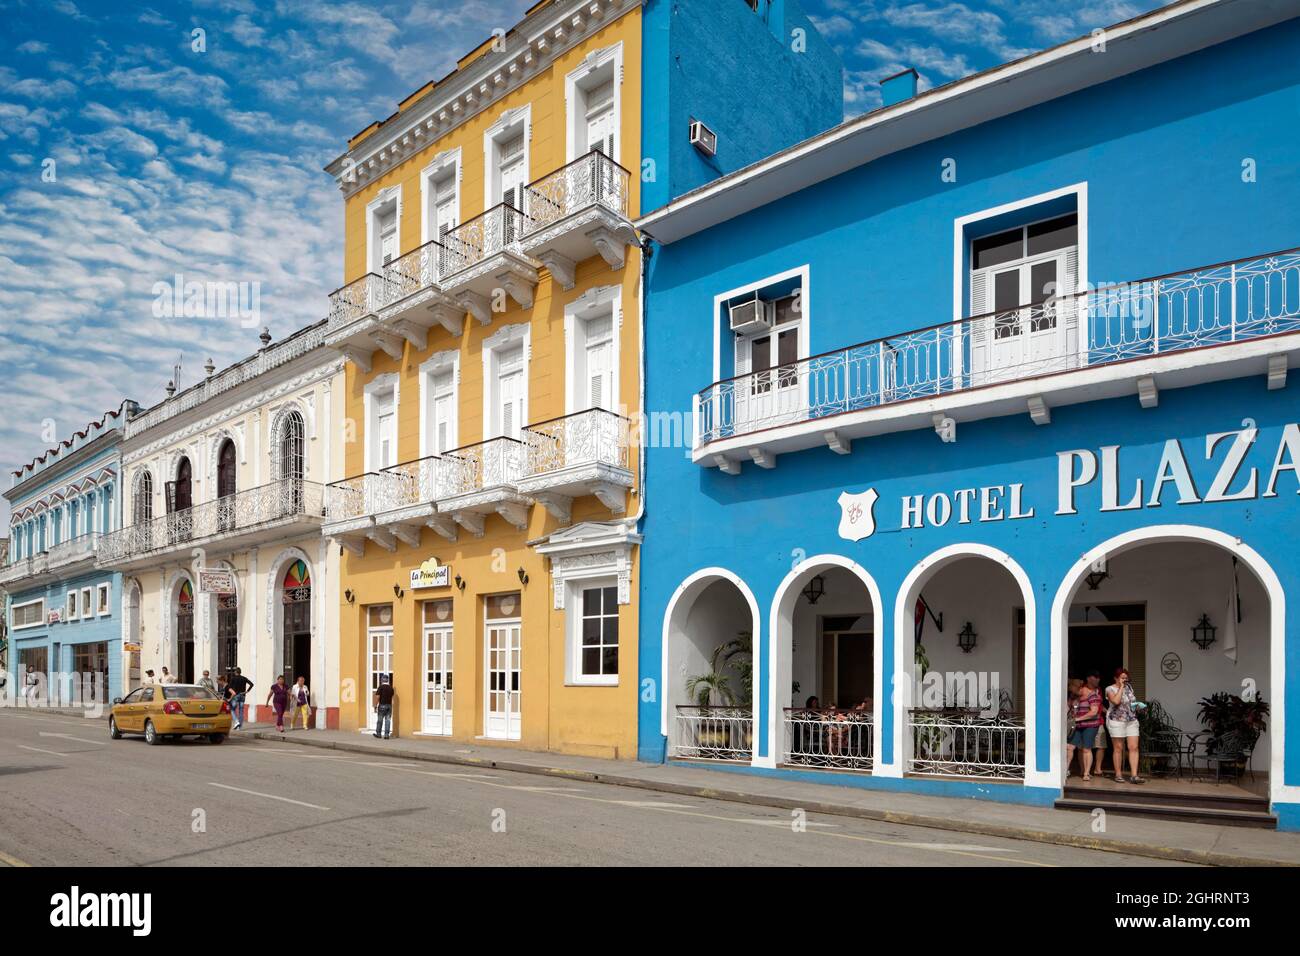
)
(354, 327)
(413, 301)
(352, 504)
(423, 484)
(483, 255)
(483, 479)
(1218, 322)
(272, 512)
(64, 559)
(577, 212)
(585, 453)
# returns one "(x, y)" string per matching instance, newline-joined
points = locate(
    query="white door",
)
(437, 680)
(387, 240)
(601, 134)
(385, 431)
(510, 393)
(380, 640)
(446, 215)
(502, 646)
(598, 365)
(444, 422)
(770, 389)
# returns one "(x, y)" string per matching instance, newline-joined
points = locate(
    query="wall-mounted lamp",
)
(814, 589)
(398, 592)
(966, 638)
(1203, 633)
(523, 576)
(460, 582)
(350, 596)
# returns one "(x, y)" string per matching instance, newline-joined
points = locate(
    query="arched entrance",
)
(962, 706)
(295, 602)
(711, 628)
(1191, 613)
(226, 486)
(185, 632)
(825, 647)
(180, 499)
(133, 637)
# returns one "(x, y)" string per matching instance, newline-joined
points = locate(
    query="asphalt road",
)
(69, 796)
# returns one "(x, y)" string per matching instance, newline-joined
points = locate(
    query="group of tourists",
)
(1094, 717)
(233, 687)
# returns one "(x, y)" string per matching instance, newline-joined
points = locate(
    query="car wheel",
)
(113, 732)
(151, 736)
(216, 738)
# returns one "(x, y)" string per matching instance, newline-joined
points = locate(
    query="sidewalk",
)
(1136, 836)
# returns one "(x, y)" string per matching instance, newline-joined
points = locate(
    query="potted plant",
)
(1229, 717)
(714, 689)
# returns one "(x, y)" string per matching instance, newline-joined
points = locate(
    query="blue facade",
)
(760, 79)
(1174, 167)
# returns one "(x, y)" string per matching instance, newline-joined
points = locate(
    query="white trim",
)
(790, 588)
(436, 169)
(505, 337)
(591, 63)
(23, 627)
(905, 642)
(435, 363)
(804, 272)
(87, 596)
(1279, 791)
(386, 196)
(70, 598)
(108, 605)
(380, 383)
(592, 304)
(689, 590)
(575, 583)
(504, 127)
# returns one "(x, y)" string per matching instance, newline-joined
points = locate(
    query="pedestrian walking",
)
(278, 698)
(168, 677)
(384, 695)
(300, 698)
(32, 683)
(239, 686)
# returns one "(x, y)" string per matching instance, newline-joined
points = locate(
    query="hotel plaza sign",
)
(431, 574)
(1229, 468)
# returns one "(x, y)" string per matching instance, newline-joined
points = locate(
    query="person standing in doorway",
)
(1122, 726)
(384, 695)
(1087, 718)
(1100, 745)
(300, 699)
(278, 698)
(239, 687)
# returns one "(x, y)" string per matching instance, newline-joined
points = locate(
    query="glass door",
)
(437, 679)
(771, 393)
(502, 648)
(379, 644)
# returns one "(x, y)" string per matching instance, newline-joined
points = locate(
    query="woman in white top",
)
(1122, 726)
(299, 703)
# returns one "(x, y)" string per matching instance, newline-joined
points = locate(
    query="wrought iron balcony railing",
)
(358, 298)
(56, 556)
(831, 738)
(591, 180)
(966, 744)
(277, 502)
(411, 273)
(497, 230)
(366, 495)
(427, 479)
(494, 463)
(714, 733)
(595, 436)
(1210, 306)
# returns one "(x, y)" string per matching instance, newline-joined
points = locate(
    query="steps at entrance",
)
(1230, 809)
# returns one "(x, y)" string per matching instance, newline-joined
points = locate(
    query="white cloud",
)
(32, 46)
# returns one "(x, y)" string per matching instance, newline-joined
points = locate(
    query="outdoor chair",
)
(1231, 750)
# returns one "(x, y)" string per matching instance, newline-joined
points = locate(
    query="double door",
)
(502, 647)
(437, 656)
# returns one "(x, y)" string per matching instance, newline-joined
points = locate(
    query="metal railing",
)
(410, 273)
(1209, 306)
(482, 237)
(829, 738)
(591, 180)
(425, 479)
(361, 297)
(496, 462)
(55, 556)
(283, 500)
(966, 744)
(371, 493)
(595, 436)
(714, 733)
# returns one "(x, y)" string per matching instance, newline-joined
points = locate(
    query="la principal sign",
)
(1227, 469)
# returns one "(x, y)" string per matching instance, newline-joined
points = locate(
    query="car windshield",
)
(175, 692)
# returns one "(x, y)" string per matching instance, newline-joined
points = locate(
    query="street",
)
(72, 797)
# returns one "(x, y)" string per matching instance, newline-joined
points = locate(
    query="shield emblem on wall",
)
(857, 521)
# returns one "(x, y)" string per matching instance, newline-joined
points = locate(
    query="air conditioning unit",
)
(703, 138)
(752, 315)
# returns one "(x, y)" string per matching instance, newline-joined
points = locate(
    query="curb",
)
(1126, 847)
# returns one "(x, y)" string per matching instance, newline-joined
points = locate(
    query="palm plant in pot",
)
(714, 694)
(1234, 723)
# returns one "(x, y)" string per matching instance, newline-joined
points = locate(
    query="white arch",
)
(782, 615)
(685, 596)
(1278, 791)
(905, 639)
(217, 440)
(275, 622)
(170, 650)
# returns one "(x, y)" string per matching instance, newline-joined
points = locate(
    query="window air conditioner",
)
(703, 138)
(752, 315)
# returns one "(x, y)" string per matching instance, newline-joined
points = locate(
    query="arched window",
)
(226, 469)
(142, 498)
(289, 447)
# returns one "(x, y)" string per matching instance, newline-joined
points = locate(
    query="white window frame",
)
(443, 165)
(575, 585)
(435, 365)
(803, 273)
(103, 600)
(87, 610)
(70, 606)
(507, 126)
(389, 381)
(577, 82)
(594, 303)
(377, 207)
(504, 338)
(13, 611)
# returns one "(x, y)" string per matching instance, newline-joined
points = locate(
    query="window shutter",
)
(743, 346)
(1070, 280)
(171, 496)
(979, 293)
(508, 418)
(1137, 658)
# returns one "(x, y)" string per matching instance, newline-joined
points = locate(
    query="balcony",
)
(354, 327)
(483, 479)
(63, 559)
(413, 301)
(585, 453)
(578, 212)
(955, 743)
(352, 504)
(482, 255)
(722, 733)
(1217, 322)
(246, 519)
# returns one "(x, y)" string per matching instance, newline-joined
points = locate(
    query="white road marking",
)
(42, 750)
(547, 789)
(651, 805)
(80, 740)
(269, 796)
(8, 860)
(782, 824)
(294, 753)
(961, 846)
(429, 773)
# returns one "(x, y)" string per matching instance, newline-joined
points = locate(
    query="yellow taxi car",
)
(170, 710)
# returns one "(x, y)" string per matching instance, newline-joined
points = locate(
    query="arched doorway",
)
(180, 500)
(825, 642)
(142, 508)
(227, 633)
(1197, 617)
(961, 638)
(133, 637)
(226, 486)
(710, 632)
(185, 632)
(295, 598)
(290, 453)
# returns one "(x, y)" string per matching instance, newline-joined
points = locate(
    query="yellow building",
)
(489, 320)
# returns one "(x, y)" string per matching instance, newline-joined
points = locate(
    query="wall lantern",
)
(966, 638)
(1096, 574)
(349, 596)
(460, 582)
(397, 591)
(523, 576)
(814, 589)
(1203, 632)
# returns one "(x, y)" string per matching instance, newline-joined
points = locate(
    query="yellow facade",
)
(555, 713)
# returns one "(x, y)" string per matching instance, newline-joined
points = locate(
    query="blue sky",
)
(169, 159)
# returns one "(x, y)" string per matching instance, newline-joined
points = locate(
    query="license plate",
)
(200, 726)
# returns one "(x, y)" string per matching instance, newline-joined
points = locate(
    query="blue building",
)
(65, 621)
(987, 390)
